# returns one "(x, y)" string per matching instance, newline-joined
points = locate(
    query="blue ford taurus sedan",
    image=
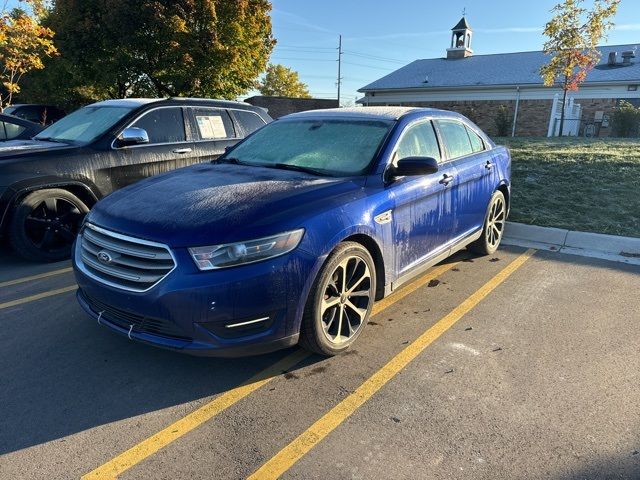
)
(292, 234)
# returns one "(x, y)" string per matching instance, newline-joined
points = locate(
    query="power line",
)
(374, 57)
(303, 59)
(369, 66)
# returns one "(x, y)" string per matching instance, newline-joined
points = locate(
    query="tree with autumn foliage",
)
(572, 38)
(280, 81)
(24, 42)
(127, 48)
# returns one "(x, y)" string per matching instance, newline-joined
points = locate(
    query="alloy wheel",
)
(53, 223)
(346, 300)
(496, 222)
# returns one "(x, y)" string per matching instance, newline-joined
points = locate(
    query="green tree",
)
(502, 121)
(280, 81)
(572, 37)
(124, 48)
(24, 42)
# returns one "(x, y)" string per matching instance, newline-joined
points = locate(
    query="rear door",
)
(169, 147)
(475, 175)
(422, 217)
(213, 131)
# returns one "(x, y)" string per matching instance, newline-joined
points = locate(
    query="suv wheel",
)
(45, 224)
(340, 301)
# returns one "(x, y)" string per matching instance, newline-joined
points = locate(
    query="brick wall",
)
(533, 115)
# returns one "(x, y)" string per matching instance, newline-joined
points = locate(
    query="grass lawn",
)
(591, 185)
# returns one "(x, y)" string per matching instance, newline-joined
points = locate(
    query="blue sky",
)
(379, 37)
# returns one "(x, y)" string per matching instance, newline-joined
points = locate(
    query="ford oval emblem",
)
(104, 257)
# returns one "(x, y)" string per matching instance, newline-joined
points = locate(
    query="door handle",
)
(182, 150)
(488, 165)
(446, 179)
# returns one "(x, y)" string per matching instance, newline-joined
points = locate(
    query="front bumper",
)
(207, 313)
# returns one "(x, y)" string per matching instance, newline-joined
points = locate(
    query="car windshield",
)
(83, 125)
(337, 147)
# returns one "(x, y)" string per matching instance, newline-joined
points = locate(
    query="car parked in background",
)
(42, 114)
(294, 232)
(49, 183)
(14, 128)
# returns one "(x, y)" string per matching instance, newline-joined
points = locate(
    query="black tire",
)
(360, 280)
(45, 223)
(493, 229)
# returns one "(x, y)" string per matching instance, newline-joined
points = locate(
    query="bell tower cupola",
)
(460, 40)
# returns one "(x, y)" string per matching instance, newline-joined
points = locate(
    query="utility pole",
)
(339, 66)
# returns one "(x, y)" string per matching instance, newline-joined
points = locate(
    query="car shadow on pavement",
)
(63, 374)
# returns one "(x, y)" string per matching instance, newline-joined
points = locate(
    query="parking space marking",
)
(289, 455)
(146, 448)
(35, 277)
(32, 298)
(151, 445)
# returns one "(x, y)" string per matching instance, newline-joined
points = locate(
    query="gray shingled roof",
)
(520, 68)
(462, 24)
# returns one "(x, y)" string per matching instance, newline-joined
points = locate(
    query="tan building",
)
(477, 86)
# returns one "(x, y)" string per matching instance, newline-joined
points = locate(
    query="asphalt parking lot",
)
(520, 365)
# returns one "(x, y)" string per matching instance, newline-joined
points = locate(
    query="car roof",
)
(384, 113)
(139, 102)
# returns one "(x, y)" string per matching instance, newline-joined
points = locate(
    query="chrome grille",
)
(122, 261)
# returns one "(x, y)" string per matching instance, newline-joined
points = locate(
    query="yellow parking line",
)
(35, 277)
(38, 296)
(293, 452)
(151, 445)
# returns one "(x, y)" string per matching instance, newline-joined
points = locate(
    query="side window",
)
(212, 123)
(3, 135)
(477, 145)
(11, 130)
(455, 137)
(419, 141)
(249, 121)
(163, 125)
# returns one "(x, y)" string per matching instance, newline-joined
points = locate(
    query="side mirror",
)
(412, 166)
(133, 136)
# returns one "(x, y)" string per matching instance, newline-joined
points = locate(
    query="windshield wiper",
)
(232, 160)
(299, 168)
(49, 139)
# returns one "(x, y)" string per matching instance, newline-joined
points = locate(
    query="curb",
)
(586, 244)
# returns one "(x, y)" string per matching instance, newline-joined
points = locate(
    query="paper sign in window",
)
(211, 126)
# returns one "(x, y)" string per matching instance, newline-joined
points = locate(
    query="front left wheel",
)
(340, 301)
(45, 224)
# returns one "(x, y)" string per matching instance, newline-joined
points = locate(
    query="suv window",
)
(10, 130)
(212, 123)
(32, 113)
(477, 145)
(163, 125)
(419, 141)
(249, 121)
(455, 137)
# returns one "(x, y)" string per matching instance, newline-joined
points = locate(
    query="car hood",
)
(13, 148)
(220, 203)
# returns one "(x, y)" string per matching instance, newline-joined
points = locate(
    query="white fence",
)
(572, 118)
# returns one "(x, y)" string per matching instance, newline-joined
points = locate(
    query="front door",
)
(168, 147)
(422, 217)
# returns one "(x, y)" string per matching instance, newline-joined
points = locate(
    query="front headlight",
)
(241, 253)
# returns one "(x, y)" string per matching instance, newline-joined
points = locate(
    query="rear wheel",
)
(45, 224)
(494, 224)
(340, 301)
